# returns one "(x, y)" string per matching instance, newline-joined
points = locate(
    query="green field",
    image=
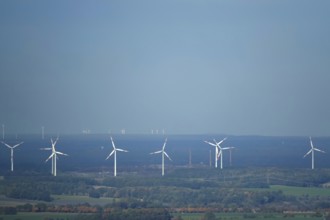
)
(58, 200)
(39, 216)
(300, 191)
(238, 216)
(295, 190)
(68, 199)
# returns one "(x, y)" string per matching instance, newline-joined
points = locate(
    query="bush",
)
(94, 194)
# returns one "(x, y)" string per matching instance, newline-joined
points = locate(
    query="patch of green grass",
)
(295, 190)
(38, 216)
(300, 191)
(4, 201)
(69, 199)
(241, 216)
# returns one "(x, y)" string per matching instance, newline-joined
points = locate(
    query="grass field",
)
(300, 191)
(58, 200)
(38, 216)
(4, 201)
(238, 216)
(68, 199)
(295, 190)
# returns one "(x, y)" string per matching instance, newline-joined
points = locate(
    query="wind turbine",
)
(221, 149)
(312, 151)
(162, 151)
(217, 148)
(12, 153)
(114, 151)
(53, 155)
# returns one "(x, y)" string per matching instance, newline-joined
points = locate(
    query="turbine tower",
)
(217, 153)
(162, 151)
(42, 132)
(3, 132)
(114, 151)
(230, 158)
(312, 151)
(53, 155)
(12, 153)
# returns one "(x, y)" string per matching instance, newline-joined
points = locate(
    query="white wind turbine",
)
(53, 155)
(312, 151)
(217, 149)
(12, 153)
(221, 149)
(162, 151)
(114, 151)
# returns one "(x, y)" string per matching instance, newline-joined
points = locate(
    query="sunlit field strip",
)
(39, 216)
(295, 190)
(69, 199)
(237, 216)
(300, 191)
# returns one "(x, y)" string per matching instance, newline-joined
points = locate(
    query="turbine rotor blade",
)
(49, 157)
(113, 144)
(118, 149)
(164, 144)
(156, 152)
(18, 144)
(112, 152)
(222, 141)
(308, 152)
(319, 150)
(7, 145)
(310, 140)
(57, 152)
(55, 141)
(219, 154)
(167, 156)
(210, 143)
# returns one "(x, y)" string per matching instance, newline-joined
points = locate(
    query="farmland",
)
(302, 191)
(189, 193)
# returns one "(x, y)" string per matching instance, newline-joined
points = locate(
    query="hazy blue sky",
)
(188, 66)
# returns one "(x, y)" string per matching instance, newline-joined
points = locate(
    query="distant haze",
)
(186, 66)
